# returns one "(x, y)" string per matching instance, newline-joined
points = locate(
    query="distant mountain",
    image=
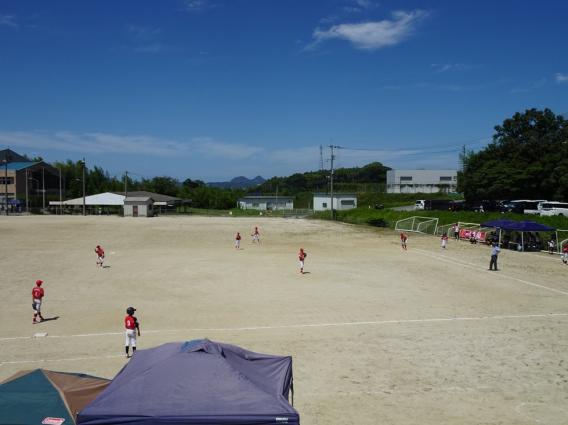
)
(240, 181)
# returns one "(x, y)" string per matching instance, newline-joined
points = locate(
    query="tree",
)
(528, 158)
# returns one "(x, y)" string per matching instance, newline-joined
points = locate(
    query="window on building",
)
(445, 179)
(324, 204)
(255, 205)
(348, 202)
(3, 180)
(405, 179)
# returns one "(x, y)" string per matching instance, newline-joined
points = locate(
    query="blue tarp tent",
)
(519, 226)
(197, 382)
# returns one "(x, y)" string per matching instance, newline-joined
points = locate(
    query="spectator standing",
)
(457, 231)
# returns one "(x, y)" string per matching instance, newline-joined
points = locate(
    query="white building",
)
(138, 206)
(266, 202)
(424, 181)
(341, 201)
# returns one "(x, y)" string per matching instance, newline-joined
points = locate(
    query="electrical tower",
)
(321, 158)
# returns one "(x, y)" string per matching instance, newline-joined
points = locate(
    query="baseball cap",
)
(39, 282)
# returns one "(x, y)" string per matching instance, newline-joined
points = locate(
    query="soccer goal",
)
(426, 225)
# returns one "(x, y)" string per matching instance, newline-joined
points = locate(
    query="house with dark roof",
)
(19, 175)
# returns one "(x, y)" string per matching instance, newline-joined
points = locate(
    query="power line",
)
(481, 140)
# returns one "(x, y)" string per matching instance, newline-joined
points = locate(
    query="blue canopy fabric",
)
(529, 226)
(15, 202)
(197, 382)
(498, 223)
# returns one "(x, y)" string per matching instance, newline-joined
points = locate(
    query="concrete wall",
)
(423, 181)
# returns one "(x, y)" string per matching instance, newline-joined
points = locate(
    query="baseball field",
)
(378, 335)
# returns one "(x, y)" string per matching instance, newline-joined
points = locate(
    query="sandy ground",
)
(377, 334)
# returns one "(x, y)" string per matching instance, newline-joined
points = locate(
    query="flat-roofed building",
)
(266, 203)
(341, 201)
(422, 181)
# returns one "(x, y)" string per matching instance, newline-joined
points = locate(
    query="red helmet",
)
(301, 249)
(256, 227)
(39, 282)
(98, 246)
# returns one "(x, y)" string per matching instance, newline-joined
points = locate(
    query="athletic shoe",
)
(127, 356)
(34, 322)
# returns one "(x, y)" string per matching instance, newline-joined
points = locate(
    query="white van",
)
(419, 205)
(554, 208)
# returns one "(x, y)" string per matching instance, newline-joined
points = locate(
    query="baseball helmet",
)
(98, 246)
(256, 227)
(301, 249)
(39, 282)
(130, 310)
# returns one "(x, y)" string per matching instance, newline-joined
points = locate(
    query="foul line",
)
(317, 325)
(477, 267)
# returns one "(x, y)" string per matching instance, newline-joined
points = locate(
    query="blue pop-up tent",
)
(197, 382)
(519, 226)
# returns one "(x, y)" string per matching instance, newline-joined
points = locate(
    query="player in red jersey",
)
(37, 296)
(256, 235)
(403, 240)
(132, 326)
(238, 241)
(302, 256)
(100, 255)
(444, 240)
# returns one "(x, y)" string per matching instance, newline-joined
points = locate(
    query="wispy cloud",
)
(212, 148)
(142, 32)
(561, 78)
(8, 20)
(373, 35)
(151, 48)
(433, 87)
(533, 86)
(92, 142)
(443, 67)
(195, 5)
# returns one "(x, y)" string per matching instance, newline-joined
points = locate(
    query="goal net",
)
(427, 225)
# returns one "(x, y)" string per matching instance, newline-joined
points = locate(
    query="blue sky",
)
(214, 89)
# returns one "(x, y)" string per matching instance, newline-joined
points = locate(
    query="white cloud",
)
(151, 48)
(8, 20)
(195, 5)
(212, 148)
(373, 35)
(92, 142)
(561, 78)
(442, 67)
(141, 32)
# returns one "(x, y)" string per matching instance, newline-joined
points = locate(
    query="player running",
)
(132, 326)
(100, 256)
(238, 241)
(302, 256)
(37, 296)
(403, 240)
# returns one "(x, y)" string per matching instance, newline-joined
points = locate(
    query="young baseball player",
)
(238, 241)
(132, 326)
(551, 246)
(564, 255)
(37, 296)
(256, 235)
(457, 231)
(302, 256)
(403, 240)
(444, 240)
(100, 256)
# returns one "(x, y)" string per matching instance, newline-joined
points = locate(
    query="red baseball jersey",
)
(101, 252)
(301, 256)
(238, 237)
(37, 293)
(130, 322)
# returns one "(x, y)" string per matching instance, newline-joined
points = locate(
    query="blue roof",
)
(18, 165)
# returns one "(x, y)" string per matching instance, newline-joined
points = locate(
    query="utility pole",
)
(126, 184)
(84, 208)
(321, 158)
(331, 176)
(5, 161)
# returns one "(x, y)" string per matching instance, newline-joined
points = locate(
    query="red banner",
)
(466, 234)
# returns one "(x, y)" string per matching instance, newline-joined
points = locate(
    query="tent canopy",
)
(31, 396)
(520, 226)
(197, 382)
(15, 202)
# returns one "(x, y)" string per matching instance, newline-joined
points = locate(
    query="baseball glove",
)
(305, 254)
(33, 306)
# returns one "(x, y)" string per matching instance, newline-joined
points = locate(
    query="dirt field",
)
(378, 335)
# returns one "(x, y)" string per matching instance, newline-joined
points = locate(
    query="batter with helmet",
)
(132, 327)
(302, 256)
(37, 296)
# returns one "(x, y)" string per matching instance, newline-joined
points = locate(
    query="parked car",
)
(485, 205)
(457, 206)
(522, 206)
(554, 208)
(437, 204)
(419, 205)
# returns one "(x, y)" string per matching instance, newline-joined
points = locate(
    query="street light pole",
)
(27, 204)
(5, 161)
(84, 211)
(43, 187)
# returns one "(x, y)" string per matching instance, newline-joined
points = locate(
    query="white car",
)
(419, 205)
(554, 208)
